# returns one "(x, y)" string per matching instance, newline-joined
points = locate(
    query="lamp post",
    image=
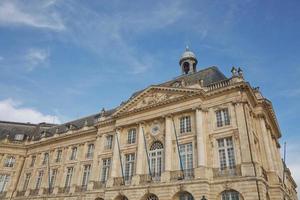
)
(203, 198)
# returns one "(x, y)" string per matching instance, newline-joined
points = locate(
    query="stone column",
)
(200, 170)
(140, 151)
(200, 138)
(95, 173)
(246, 165)
(168, 149)
(266, 144)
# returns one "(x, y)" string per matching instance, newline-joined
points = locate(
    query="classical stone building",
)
(199, 136)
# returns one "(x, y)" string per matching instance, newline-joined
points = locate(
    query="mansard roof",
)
(37, 131)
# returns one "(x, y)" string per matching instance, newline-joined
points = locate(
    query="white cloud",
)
(36, 57)
(11, 110)
(36, 15)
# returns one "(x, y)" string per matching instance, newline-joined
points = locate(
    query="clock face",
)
(155, 129)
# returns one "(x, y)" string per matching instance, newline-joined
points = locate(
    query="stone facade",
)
(225, 130)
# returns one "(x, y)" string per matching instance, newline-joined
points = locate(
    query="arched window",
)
(230, 195)
(156, 159)
(185, 196)
(152, 197)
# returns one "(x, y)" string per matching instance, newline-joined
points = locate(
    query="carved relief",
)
(152, 99)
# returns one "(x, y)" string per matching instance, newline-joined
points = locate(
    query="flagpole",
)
(120, 158)
(148, 160)
(177, 143)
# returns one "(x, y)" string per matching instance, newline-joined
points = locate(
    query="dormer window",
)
(19, 137)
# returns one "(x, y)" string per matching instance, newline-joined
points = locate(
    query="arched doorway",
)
(231, 195)
(156, 159)
(183, 196)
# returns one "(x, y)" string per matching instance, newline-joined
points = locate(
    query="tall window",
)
(131, 136)
(86, 175)
(129, 166)
(109, 142)
(105, 169)
(53, 178)
(185, 124)
(39, 180)
(58, 155)
(45, 160)
(230, 195)
(73, 153)
(186, 155)
(26, 182)
(33, 158)
(10, 161)
(226, 153)
(4, 178)
(222, 116)
(156, 159)
(69, 177)
(90, 151)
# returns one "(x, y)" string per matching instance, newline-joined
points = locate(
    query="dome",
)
(188, 54)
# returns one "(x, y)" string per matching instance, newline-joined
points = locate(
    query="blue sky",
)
(60, 60)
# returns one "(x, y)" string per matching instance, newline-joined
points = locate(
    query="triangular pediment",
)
(155, 96)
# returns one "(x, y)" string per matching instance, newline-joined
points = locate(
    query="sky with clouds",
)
(60, 60)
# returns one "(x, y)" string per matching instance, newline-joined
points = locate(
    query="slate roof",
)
(37, 131)
(208, 75)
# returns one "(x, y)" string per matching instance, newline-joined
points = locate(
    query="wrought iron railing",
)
(185, 174)
(81, 188)
(99, 184)
(64, 190)
(228, 171)
(34, 192)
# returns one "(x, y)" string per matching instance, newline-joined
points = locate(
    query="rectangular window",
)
(105, 169)
(39, 180)
(58, 155)
(90, 151)
(33, 158)
(9, 161)
(45, 160)
(4, 178)
(69, 177)
(86, 175)
(186, 154)
(131, 136)
(129, 166)
(73, 153)
(53, 178)
(222, 116)
(185, 124)
(226, 153)
(109, 142)
(26, 182)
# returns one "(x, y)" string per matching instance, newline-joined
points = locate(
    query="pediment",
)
(155, 96)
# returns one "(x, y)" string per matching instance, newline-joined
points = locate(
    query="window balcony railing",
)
(225, 172)
(146, 178)
(3, 194)
(48, 191)
(185, 174)
(64, 190)
(89, 155)
(20, 193)
(99, 185)
(118, 181)
(34, 192)
(81, 188)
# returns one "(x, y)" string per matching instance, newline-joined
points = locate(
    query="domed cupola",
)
(188, 62)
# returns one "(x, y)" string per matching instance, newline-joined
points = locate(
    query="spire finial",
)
(187, 48)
